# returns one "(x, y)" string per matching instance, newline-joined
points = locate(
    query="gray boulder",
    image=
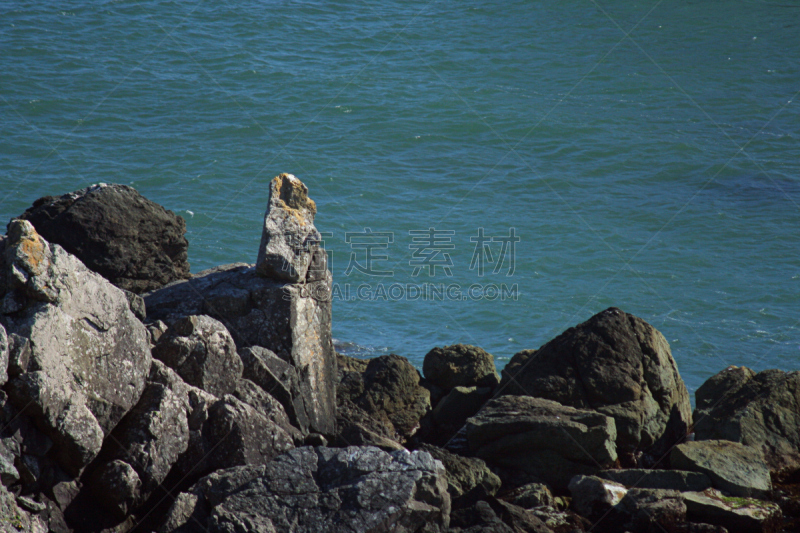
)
(129, 240)
(543, 438)
(289, 241)
(202, 352)
(141, 450)
(468, 478)
(320, 490)
(594, 497)
(14, 517)
(732, 467)
(680, 480)
(81, 356)
(4, 353)
(291, 320)
(266, 405)
(279, 379)
(652, 510)
(460, 365)
(617, 364)
(453, 410)
(737, 515)
(761, 410)
(531, 495)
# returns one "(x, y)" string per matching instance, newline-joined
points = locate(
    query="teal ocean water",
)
(575, 154)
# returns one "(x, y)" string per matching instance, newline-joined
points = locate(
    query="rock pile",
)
(216, 403)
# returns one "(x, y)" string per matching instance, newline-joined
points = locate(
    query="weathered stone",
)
(202, 352)
(392, 392)
(543, 438)
(652, 510)
(468, 478)
(617, 364)
(14, 518)
(267, 406)
(358, 428)
(679, 480)
(732, 467)
(279, 379)
(593, 497)
(9, 451)
(452, 411)
(142, 450)
(460, 365)
(136, 303)
(134, 243)
(531, 495)
(737, 515)
(761, 410)
(89, 354)
(320, 489)
(4, 353)
(479, 518)
(239, 435)
(293, 321)
(289, 239)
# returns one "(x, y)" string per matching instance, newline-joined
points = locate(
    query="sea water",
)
(488, 173)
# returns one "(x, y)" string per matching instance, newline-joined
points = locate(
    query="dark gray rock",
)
(737, 515)
(9, 451)
(4, 354)
(531, 495)
(291, 320)
(460, 365)
(129, 240)
(267, 406)
(202, 352)
(15, 518)
(452, 411)
(594, 497)
(732, 467)
(320, 489)
(543, 438)
(652, 510)
(760, 410)
(468, 478)
(87, 355)
(279, 379)
(617, 364)
(680, 480)
(141, 450)
(497, 516)
(289, 241)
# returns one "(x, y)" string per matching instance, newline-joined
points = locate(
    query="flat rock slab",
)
(732, 467)
(544, 438)
(680, 480)
(355, 489)
(291, 320)
(738, 515)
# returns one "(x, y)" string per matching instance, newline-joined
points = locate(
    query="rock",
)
(290, 240)
(452, 411)
(136, 303)
(760, 410)
(354, 433)
(87, 354)
(9, 451)
(241, 436)
(293, 321)
(279, 379)
(679, 480)
(737, 515)
(552, 442)
(202, 352)
(593, 497)
(652, 510)
(732, 467)
(617, 364)
(14, 517)
(4, 354)
(479, 518)
(129, 240)
(460, 365)
(320, 489)
(560, 520)
(531, 495)
(392, 393)
(142, 450)
(468, 478)
(267, 406)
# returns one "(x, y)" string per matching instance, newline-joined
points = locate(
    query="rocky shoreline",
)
(135, 396)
